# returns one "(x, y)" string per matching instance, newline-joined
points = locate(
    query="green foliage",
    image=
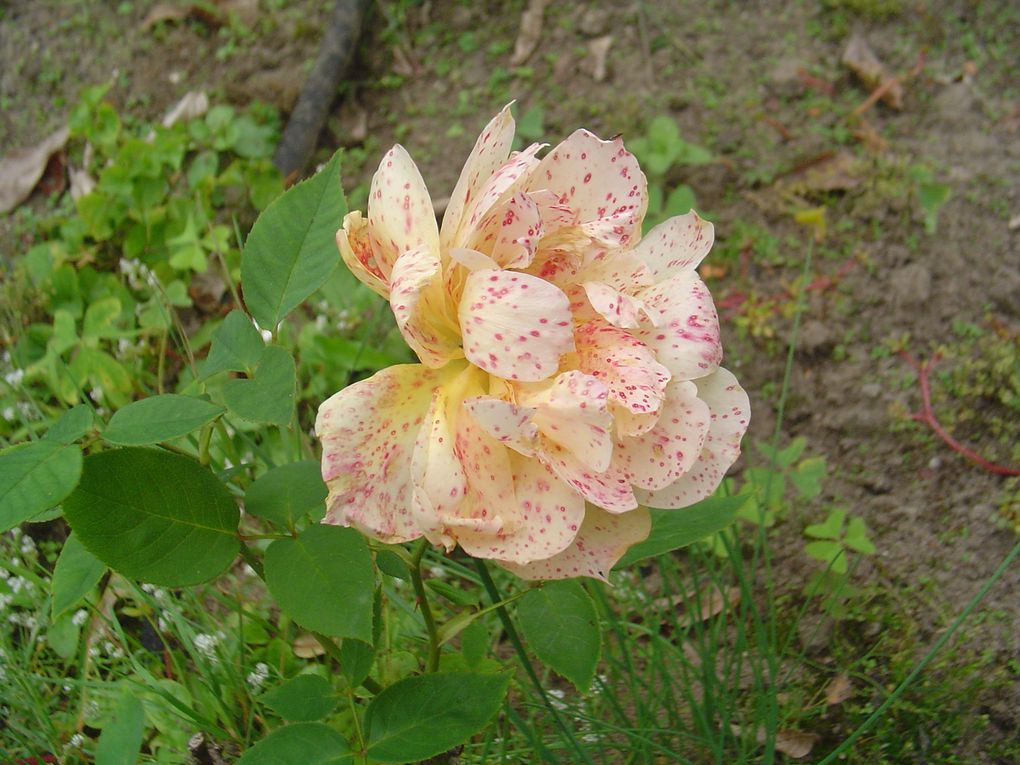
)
(121, 739)
(675, 529)
(562, 628)
(304, 698)
(308, 743)
(77, 571)
(835, 537)
(659, 150)
(35, 477)
(268, 396)
(287, 493)
(159, 418)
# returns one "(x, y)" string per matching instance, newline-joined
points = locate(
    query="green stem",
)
(909, 680)
(426, 609)
(515, 641)
(204, 439)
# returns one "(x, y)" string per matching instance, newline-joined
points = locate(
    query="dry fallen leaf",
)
(838, 690)
(307, 647)
(21, 170)
(599, 49)
(167, 12)
(862, 61)
(530, 31)
(831, 171)
(194, 104)
(793, 743)
(81, 183)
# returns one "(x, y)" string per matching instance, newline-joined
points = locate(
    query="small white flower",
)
(27, 545)
(14, 378)
(206, 644)
(80, 617)
(258, 676)
(320, 322)
(76, 741)
(556, 698)
(8, 413)
(96, 394)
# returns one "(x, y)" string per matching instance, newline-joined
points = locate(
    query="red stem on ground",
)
(927, 416)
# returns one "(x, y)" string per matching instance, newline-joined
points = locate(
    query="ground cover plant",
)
(803, 611)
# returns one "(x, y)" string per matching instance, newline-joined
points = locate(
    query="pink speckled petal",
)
(510, 232)
(417, 300)
(601, 541)
(354, 241)
(368, 432)
(548, 518)
(607, 489)
(618, 309)
(601, 182)
(730, 416)
(490, 151)
(507, 423)
(686, 337)
(437, 476)
(510, 177)
(636, 381)
(657, 459)
(515, 326)
(573, 412)
(400, 210)
(679, 244)
(620, 269)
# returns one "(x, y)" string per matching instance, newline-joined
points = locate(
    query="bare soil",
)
(762, 86)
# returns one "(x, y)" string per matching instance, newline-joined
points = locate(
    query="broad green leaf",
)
(34, 477)
(561, 626)
(828, 551)
(236, 346)
(673, 529)
(830, 528)
(159, 418)
(72, 425)
(356, 660)
(155, 516)
(77, 571)
(309, 743)
(287, 493)
(292, 246)
(420, 717)
(99, 319)
(857, 537)
(680, 201)
(269, 395)
(302, 699)
(808, 475)
(121, 739)
(323, 580)
(475, 641)
(62, 636)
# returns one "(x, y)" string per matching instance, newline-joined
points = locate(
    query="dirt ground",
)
(762, 86)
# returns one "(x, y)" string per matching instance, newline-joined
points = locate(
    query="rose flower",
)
(569, 374)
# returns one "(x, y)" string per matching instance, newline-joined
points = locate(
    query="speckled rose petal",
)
(608, 489)
(515, 326)
(573, 412)
(659, 457)
(490, 151)
(601, 541)
(730, 416)
(686, 339)
(676, 245)
(508, 423)
(510, 232)
(510, 176)
(416, 299)
(355, 244)
(601, 182)
(399, 208)
(618, 309)
(368, 431)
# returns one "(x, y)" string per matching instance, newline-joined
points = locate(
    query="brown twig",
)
(927, 416)
(888, 85)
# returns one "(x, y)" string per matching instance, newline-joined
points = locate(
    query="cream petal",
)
(731, 414)
(417, 301)
(508, 423)
(368, 432)
(620, 269)
(685, 337)
(618, 309)
(472, 260)
(676, 245)
(601, 541)
(573, 412)
(608, 489)
(601, 182)
(505, 181)
(636, 381)
(657, 458)
(489, 153)
(510, 232)
(515, 326)
(358, 251)
(400, 210)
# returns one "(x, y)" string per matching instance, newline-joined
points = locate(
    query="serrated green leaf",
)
(324, 580)
(310, 743)
(287, 493)
(420, 717)
(154, 515)
(236, 346)
(268, 396)
(77, 571)
(673, 529)
(291, 249)
(561, 626)
(159, 418)
(34, 477)
(304, 698)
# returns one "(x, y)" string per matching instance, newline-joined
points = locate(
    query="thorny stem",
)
(426, 609)
(927, 416)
